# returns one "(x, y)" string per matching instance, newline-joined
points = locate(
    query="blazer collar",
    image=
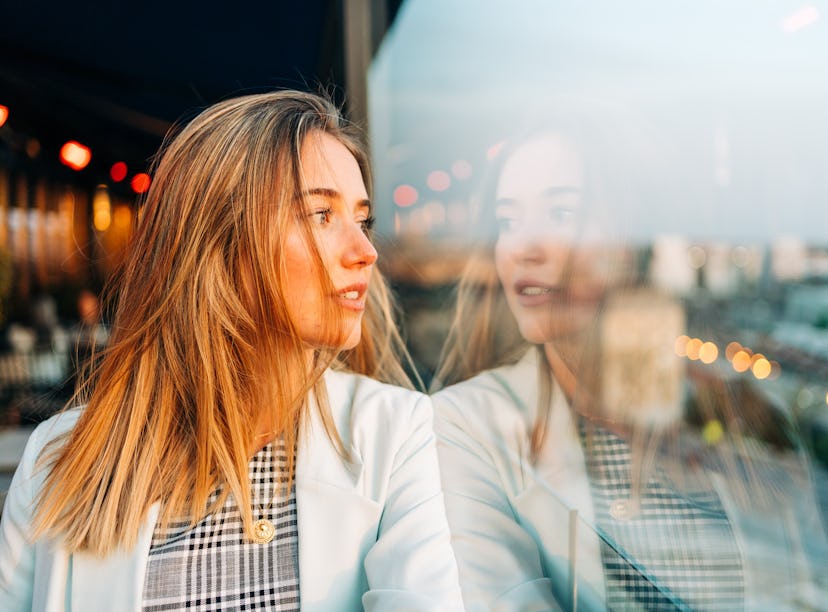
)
(115, 582)
(330, 511)
(333, 514)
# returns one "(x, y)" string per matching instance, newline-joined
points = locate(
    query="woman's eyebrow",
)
(550, 191)
(325, 192)
(333, 194)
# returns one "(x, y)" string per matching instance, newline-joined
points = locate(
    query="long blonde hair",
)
(483, 333)
(201, 340)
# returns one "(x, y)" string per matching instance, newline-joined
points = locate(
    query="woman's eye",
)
(506, 224)
(564, 216)
(367, 224)
(321, 217)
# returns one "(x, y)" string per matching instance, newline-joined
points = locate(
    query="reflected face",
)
(539, 209)
(339, 213)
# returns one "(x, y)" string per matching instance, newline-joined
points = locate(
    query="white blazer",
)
(511, 520)
(372, 534)
(516, 526)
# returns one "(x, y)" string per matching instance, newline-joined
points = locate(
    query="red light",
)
(118, 171)
(75, 155)
(405, 195)
(140, 182)
(4, 114)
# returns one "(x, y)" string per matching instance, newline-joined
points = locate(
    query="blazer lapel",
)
(337, 524)
(117, 581)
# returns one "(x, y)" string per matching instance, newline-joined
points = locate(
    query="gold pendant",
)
(263, 531)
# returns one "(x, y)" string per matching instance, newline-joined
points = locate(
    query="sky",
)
(711, 113)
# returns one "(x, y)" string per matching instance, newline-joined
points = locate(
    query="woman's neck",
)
(579, 392)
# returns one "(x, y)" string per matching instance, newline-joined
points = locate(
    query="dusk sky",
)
(714, 112)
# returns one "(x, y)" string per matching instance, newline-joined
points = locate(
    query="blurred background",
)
(714, 123)
(87, 94)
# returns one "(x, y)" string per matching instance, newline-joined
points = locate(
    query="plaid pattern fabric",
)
(676, 551)
(214, 567)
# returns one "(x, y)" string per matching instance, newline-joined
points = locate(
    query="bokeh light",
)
(118, 171)
(405, 195)
(741, 361)
(681, 345)
(101, 209)
(32, 148)
(708, 353)
(461, 169)
(693, 348)
(761, 368)
(140, 182)
(75, 155)
(713, 431)
(731, 349)
(697, 256)
(493, 150)
(438, 180)
(4, 114)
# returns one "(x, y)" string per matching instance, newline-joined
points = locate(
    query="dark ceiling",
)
(115, 76)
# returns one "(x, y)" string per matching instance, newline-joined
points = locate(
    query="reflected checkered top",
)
(214, 567)
(676, 552)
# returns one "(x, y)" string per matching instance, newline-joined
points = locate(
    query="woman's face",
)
(339, 213)
(550, 285)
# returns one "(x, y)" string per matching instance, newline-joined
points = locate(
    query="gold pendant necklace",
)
(263, 529)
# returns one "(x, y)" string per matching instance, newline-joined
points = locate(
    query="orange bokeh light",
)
(681, 345)
(693, 348)
(761, 368)
(708, 353)
(75, 155)
(731, 349)
(140, 182)
(741, 361)
(4, 114)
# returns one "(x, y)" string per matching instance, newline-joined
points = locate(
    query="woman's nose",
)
(526, 245)
(360, 250)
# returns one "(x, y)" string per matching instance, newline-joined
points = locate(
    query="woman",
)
(567, 471)
(234, 451)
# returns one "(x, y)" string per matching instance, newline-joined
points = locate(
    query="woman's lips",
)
(532, 293)
(353, 296)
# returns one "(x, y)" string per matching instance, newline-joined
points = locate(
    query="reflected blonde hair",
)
(483, 333)
(202, 344)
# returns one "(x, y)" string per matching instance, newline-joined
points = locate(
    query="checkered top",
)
(677, 551)
(213, 566)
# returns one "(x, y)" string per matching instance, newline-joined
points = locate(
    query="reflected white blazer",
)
(372, 534)
(511, 521)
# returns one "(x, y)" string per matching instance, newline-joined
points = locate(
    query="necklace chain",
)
(263, 529)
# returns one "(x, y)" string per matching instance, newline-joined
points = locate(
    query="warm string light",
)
(741, 358)
(75, 155)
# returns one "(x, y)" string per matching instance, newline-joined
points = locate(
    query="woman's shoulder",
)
(509, 391)
(54, 427)
(355, 398)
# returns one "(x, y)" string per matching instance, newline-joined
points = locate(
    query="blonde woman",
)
(235, 450)
(562, 492)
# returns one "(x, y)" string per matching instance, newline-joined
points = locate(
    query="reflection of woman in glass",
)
(539, 428)
(229, 455)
